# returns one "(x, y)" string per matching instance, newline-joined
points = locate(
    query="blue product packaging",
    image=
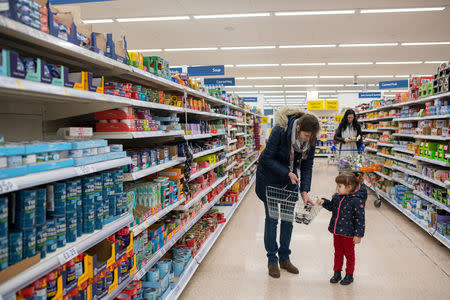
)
(71, 196)
(15, 244)
(71, 227)
(112, 206)
(24, 209)
(178, 266)
(29, 243)
(89, 220)
(164, 266)
(51, 235)
(105, 207)
(60, 224)
(3, 217)
(98, 213)
(118, 180)
(41, 240)
(41, 206)
(14, 161)
(153, 275)
(56, 199)
(79, 222)
(3, 253)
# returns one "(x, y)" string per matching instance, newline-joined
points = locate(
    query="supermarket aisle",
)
(396, 260)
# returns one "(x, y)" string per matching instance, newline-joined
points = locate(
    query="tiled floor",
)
(396, 259)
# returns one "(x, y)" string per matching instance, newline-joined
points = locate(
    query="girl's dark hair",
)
(349, 180)
(344, 122)
(309, 123)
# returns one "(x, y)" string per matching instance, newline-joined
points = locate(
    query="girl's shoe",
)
(336, 277)
(347, 280)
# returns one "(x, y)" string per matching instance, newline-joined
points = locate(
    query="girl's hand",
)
(356, 240)
(294, 179)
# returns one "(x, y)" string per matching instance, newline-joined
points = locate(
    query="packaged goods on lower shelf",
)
(42, 219)
(435, 150)
(134, 119)
(143, 158)
(18, 159)
(196, 127)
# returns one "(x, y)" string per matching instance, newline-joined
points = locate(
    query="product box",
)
(121, 49)
(115, 114)
(61, 25)
(80, 80)
(83, 31)
(69, 133)
(19, 67)
(98, 42)
(96, 83)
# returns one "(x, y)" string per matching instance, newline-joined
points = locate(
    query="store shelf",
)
(202, 194)
(401, 181)
(240, 165)
(420, 101)
(420, 176)
(207, 152)
(233, 129)
(323, 155)
(206, 170)
(422, 224)
(137, 134)
(155, 218)
(218, 134)
(232, 141)
(370, 130)
(433, 201)
(372, 149)
(397, 158)
(235, 152)
(18, 183)
(240, 134)
(230, 166)
(377, 119)
(387, 128)
(56, 259)
(433, 161)
(385, 145)
(193, 265)
(423, 118)
(371, 140)
(190, 137)
(152, 170)
(205, 113)
(157, 106)
(383, 175)
(423, 137)
(403, 150)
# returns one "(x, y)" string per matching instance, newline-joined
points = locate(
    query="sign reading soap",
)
(206, 70)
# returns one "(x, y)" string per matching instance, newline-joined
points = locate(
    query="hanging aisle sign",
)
(176, 70)
(393, 84)
(250, 99)
(220, 81)
(331, 105)
(315, 105)
(206, 70)
(370, 95)
(338, 118)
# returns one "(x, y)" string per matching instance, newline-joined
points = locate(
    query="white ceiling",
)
(287, 30)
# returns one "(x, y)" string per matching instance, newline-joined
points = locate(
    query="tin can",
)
(40, 289)
(51, 236)
(41, 240)
(29, 242)
(3, 217)
(52, 279)
(3, 253)
(41, 206)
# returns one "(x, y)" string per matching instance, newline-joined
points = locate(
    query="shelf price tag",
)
(83, 170)
(7, 186)
(67, 255)
(140, 274)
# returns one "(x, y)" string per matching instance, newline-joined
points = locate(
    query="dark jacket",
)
(338, 135)
(273, 166)
(348, 217)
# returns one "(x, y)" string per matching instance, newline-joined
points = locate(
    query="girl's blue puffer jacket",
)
(348, 217)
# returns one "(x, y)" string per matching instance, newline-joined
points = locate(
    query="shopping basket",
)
(288, 205)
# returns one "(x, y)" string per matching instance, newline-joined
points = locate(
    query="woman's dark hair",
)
(344, 122)
(309, 123)
(349, 180)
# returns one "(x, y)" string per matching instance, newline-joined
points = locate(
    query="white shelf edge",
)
(235, 151)
(403, 150)
(206, 152)
(431, 200)
(152, 170)
(51, 262)
(137, 134)
(205, 170)
(202, 194)
(396, 158)
(436, 117)
(35, 179)
(382, 175)
(433, 161)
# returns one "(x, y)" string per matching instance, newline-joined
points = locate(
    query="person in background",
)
(349, 133)
(347, 223)
(291, 145)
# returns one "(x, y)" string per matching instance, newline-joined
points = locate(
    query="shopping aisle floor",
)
(396, 259)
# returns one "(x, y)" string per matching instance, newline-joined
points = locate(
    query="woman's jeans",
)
(270, 239)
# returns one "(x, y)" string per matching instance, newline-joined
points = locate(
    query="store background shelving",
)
(64, 104)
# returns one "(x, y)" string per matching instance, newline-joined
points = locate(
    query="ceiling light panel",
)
(335, 76)
(257, 65)
(263, 77)
(229, 66)
(300, 77)
(227, 16)
(426, 44)
(273, 96)
(349, 91)
(240, 78)
(308, 46)
(303, 64)
(152, 19)
(314, 13)
(398, 62)
(246, 92)
(248, 47)
(241, 86)
(370, 45)
(98, 21)
(401, 76)
(148, 50)
(190, 49)
(401, 10)
(350, 63)
(269, 86)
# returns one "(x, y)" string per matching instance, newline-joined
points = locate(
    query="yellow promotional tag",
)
(315, 105)
(331, 105)
(19, 83)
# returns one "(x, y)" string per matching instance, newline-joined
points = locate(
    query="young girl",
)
(347, 223)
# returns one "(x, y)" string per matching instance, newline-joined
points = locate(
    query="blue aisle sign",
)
(250, 99)
(393, 84)
(268, 111)
(370, 95)
(206, 70)
(176, 70)
(220, 81)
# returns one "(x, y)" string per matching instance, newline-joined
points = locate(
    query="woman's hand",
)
(347, 140)
(356, 240)
(294, 179)
(306, 198)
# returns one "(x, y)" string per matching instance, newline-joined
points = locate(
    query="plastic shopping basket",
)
(288, 206)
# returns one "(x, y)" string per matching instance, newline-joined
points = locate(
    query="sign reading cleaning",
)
(370, 95)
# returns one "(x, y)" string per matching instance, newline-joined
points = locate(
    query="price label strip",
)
(7, 186)
(67, 255)
(83, 170)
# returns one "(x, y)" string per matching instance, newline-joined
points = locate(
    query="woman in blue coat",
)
(291, 146)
